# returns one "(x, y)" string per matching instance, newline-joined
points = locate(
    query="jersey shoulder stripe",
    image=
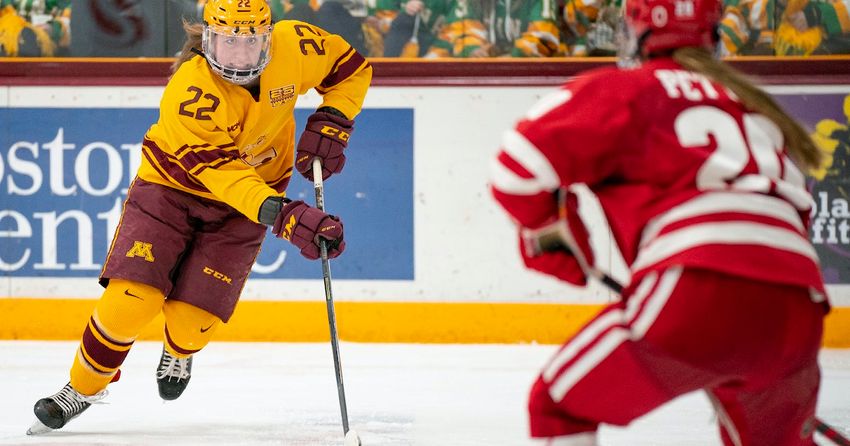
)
(345, 66)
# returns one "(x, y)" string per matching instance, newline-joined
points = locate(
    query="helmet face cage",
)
(237, 38)
(628, 48)
(222, 47)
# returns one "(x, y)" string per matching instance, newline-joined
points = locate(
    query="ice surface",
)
(285, 394)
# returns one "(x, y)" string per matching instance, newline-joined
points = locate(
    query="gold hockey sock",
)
(125, 308)
(188, 328)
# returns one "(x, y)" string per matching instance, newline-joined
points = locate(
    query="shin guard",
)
(123, 311)
(188, 328)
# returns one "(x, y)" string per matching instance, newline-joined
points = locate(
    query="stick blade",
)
(352, 438)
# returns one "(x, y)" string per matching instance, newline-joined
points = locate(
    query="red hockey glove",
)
(303, 225)
(561, 248)
(325, 136)
(559, 264)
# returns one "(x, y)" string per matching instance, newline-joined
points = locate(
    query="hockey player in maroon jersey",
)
(213, 176)
(699, 174)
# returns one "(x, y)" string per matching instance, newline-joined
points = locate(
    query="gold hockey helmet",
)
(237, 38)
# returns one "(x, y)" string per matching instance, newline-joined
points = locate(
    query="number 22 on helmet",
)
(237, 38)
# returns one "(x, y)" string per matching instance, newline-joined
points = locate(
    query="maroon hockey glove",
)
(325, 136)
(303, 225)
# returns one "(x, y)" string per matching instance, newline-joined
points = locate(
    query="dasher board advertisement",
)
(64, 174)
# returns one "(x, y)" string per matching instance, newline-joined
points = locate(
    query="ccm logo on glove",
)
(325, 137)
(304, 225)
(335, 132)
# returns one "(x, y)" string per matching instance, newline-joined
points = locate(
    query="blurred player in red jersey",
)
(698, 173)
(214, 171)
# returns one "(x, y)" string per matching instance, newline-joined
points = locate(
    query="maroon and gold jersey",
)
(215, 140)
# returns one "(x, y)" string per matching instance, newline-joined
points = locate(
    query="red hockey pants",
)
(752, 346)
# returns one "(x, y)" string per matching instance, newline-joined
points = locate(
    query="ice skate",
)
(173, 375)
(56, 411)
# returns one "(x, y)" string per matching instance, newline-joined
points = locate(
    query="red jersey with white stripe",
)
(686, 175)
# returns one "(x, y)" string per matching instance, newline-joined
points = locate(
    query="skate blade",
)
(38, 428)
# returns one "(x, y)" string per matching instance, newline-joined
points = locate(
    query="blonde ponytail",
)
(194, 31)
(798, 143)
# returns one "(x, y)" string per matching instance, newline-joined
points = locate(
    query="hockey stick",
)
(351, 437)
(558, 237)
(830, 433)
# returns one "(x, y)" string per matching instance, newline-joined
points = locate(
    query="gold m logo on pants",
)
(142, 249)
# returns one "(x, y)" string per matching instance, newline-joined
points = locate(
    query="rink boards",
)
(430, 258)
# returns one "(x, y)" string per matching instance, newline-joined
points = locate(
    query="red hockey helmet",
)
(661, 25)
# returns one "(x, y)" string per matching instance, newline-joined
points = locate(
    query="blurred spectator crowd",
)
(30, 28)
(417, 28)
